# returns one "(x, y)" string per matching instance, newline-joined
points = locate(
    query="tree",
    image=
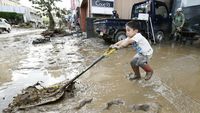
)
(46, 6)
(62, 15)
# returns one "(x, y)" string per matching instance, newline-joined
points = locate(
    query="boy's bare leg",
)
(149, 71)
(136, 74)
(136, 70)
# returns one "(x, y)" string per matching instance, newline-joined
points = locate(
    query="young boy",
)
(142, 47)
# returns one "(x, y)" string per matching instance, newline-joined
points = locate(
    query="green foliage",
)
(25, 25)
(46, 6)
(12, 16)
(61, 14)
(58, 14)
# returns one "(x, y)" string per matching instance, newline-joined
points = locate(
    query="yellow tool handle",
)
(109, 51)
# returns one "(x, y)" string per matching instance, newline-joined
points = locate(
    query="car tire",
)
(107, 40)
(1, 31)
(159, 36)
(8, 30)
(120, 36)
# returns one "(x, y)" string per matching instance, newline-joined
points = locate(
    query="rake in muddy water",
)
(32, 96)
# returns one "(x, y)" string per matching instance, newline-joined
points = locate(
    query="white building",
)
(29, 14)
(33, 16)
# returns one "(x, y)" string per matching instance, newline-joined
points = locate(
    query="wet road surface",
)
(174, 84)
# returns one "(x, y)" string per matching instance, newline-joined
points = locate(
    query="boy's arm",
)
(123, 43)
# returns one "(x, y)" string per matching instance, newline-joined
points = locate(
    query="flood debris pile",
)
(114, 102)
(41, 40)
(153, 107)
(83, 103)
(56, 32)
(38, 95)
(49, 33)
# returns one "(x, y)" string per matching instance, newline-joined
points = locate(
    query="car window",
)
(161, 11)
(0, 20)
(6, 21)
(138, 8)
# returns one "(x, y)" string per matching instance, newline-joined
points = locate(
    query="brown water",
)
(174, 84)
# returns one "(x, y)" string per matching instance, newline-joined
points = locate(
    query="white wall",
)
(16, 9)
(186, 3)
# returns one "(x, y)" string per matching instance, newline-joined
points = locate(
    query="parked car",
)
(113, 30)
(4, 25)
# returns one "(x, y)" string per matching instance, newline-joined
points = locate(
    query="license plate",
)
(101, 33)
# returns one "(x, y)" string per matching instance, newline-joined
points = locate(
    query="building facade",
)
(9, 3)
(29, 14)
(104, 8)
(11, 6)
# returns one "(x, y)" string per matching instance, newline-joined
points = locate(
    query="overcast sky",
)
(63, 4)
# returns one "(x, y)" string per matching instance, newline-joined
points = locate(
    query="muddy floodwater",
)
(174, 85)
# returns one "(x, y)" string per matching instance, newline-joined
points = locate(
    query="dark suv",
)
(113, 30)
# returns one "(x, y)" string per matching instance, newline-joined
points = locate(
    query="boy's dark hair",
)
(134, 25)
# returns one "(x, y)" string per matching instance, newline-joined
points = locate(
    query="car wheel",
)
(1, 30)
(120, 36)
(159, 36)
(8, 30)
(107, 40)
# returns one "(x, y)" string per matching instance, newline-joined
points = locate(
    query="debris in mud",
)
(60, 42)
(52, 62)
(41, 40)
(54, 67)
(55, 32)
(73, 53)
(47, 33)
(83, 103)
(16, 39)
(50, 59)
(21, 68)
(77, 61)
(114, 102)
(148, 107)
(5, 47)
(34, 96)
(57, 51)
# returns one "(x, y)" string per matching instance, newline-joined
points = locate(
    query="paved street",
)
(19, 32)
(174, 83)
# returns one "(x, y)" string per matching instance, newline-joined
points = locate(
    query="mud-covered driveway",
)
(174, 85)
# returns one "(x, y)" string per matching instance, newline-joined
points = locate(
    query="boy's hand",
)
(114, 46)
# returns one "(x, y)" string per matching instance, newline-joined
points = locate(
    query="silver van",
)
(4, 25)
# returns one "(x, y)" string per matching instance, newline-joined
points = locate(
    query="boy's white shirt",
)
(143, 45)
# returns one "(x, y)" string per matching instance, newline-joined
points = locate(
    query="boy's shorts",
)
(140, 60)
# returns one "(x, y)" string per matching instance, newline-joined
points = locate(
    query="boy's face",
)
(130, 32)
